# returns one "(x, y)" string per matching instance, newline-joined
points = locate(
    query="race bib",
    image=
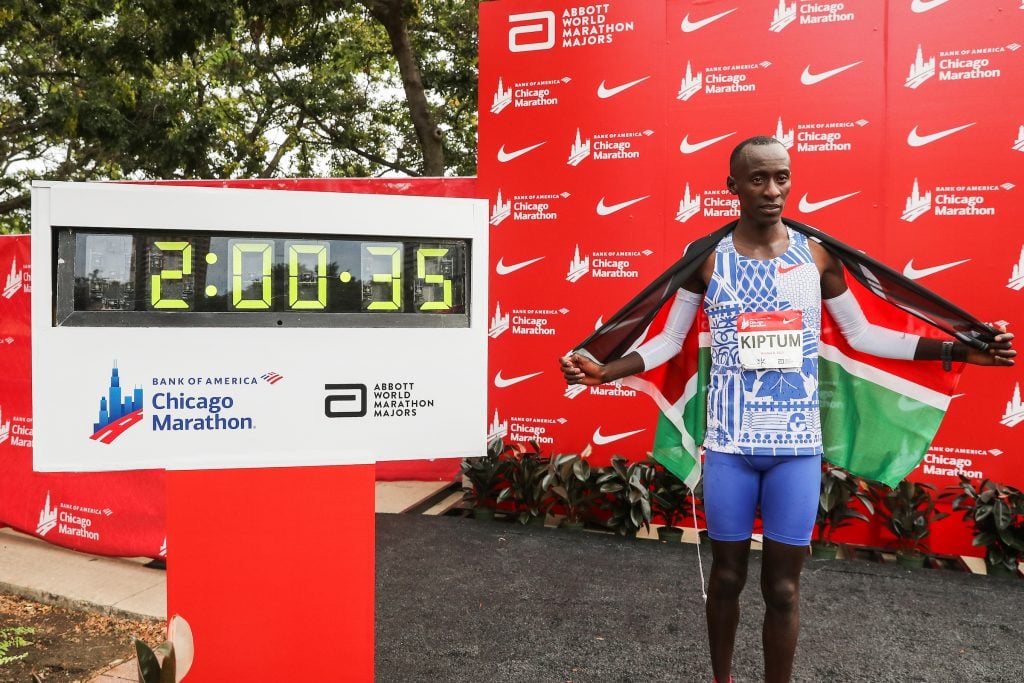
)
(771, 339)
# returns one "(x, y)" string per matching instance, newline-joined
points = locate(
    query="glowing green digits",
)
(260, 281)
(320, 251)
(395, 278)
(168, 274)
(434, 279)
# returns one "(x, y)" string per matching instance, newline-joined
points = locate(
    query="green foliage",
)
(484, 478)
(525, 473)
(12, 637)
(628, 494)
(572, 484)
(908, 511)
(840, 491)
(670, 497)
(996, 514)
(100, 89)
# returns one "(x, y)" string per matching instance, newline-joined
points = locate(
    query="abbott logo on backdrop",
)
(523, 38)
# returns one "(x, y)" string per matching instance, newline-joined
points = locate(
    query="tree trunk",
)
(391, 15)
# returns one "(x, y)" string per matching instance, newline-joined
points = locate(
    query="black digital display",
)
(221, 279)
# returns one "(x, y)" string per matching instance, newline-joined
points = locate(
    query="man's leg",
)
(728, 575)
(780, 585)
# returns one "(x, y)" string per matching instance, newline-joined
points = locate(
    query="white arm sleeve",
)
(865, 336)
(669, 341)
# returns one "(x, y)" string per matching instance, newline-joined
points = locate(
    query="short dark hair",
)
(756, 140)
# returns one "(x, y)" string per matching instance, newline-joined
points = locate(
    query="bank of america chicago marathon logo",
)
(523, 429)
(710, 203)
(818, 136)
(807, 12)
(526, 207)
(69, 519)
(578, 26)
(17, 280)
(525, 321)
(964, 64)
(951, 200)
(604, 264)
(202, 403)
(611, 146)
(719, 79)
(527, 94)
(1014, 414)
(1016, 281)
(16, 429)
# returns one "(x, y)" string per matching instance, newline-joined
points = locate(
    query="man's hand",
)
(578, 369)
(999, 352)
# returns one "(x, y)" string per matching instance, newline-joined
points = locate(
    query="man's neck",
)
(761, 241)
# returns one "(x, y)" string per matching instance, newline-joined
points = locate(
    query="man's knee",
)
(782, 594)
(727, 581)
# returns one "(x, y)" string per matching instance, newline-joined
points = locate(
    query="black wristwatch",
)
(946, 355)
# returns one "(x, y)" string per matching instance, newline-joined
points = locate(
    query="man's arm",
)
(880, 341)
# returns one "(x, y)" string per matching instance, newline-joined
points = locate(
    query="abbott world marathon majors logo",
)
(952, 200)
(527, 94)
(523, 429)
(389, 398)
(17, 280)
(530, 322)
(531, 207)
(71, 520)
(577, 26)
(605, 264)
(809, 13)
(963, 64)
(720, 79)
(607, 146)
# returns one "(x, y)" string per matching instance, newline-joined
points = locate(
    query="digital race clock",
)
(152, 277)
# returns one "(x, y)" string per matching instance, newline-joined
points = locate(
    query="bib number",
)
(771, 339)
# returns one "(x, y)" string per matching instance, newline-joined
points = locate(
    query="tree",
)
(114, 89)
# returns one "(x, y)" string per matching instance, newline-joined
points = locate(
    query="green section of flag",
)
(678, 438)
(870, 430)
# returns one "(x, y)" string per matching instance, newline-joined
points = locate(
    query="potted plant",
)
(671, 500)
(627, 489)
(570, 481)
(908, 511)
(840, 491)
(483, 480)
(525, 475)
(996, 514)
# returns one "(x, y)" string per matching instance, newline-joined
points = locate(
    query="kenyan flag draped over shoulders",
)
(878, 415)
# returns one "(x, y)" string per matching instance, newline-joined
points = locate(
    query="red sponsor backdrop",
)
(605, 130)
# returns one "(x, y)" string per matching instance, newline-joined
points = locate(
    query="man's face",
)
(760, 180)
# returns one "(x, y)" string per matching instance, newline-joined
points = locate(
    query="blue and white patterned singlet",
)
(763, 412)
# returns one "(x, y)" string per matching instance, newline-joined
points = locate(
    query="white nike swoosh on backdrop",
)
(921, 6)
(608, 209)
(601, 439)
(504, 156)
(914, 139)
(807, 78)
(605, 92)
(807, 206)
(691, 26)
(915, 273)
(687, 147)
(501, 269)
(502, 382)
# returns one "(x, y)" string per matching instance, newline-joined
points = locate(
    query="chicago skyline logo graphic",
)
(116, 413)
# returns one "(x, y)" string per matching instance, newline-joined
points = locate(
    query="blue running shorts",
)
(786, 488)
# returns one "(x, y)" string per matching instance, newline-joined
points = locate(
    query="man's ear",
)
(730, 184)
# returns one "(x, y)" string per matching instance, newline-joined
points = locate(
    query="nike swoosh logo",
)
(502, 382)
(505, 157)
(916, 140)
(786, 321)
(501, 269)
(807, 78)
(807, 206)
(604, 92)
(691, 26)
(608, 209)
(921, 6)
(915, 273)
(785, 269)
(601, 439)
(687, 147)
